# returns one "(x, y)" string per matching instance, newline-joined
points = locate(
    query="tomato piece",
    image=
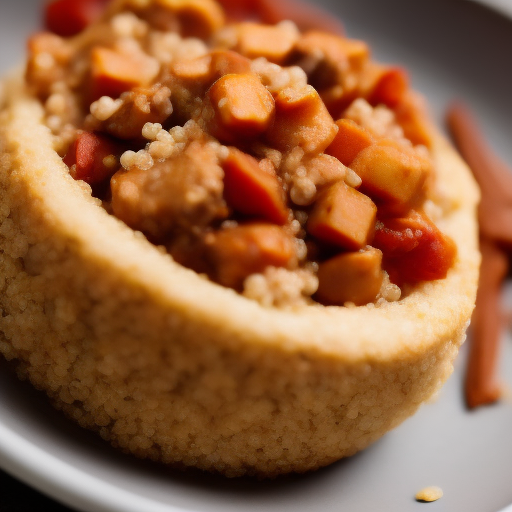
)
(414, 249)
(67, 18)
(88, 154)
(250, 190)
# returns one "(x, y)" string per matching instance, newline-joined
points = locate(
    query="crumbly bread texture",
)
(167, 365)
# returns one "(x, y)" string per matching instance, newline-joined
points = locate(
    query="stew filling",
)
(288, 166)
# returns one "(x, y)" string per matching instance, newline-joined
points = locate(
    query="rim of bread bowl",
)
(432, 311)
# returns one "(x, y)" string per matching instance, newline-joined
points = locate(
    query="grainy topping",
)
(56, 104)
(105, 107)
(140, 159)
(151, 130)
(389, 292)
(378, 120)
(279, 287)
(128, 25)
(168, 46)
(352, 179)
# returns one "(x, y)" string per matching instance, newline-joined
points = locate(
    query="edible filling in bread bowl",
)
(234, 246)
(287, 166)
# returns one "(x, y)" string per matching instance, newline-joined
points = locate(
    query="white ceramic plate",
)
(453, 49)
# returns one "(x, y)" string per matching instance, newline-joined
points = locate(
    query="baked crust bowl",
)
(168, 365)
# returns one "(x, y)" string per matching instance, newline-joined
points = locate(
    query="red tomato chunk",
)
(414, 249)
(92, 158)
(69, 17)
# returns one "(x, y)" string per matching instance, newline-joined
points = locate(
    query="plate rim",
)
(80, 490)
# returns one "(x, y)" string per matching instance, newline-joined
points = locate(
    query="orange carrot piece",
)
(350, 277)
(344, 217)
(411, 115)
(392, 174)
(197, 18)
(114, 73)
(240, 251)
(301, 120)
(387, 85)
(270, 41)
(250, 190)
(243, 107)
(350, 140)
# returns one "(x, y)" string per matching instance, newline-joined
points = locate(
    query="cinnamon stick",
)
(495, 219)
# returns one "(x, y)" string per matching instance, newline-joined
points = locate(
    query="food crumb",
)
(429, 494)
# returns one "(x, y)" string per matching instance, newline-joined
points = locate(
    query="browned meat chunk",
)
(179, 194)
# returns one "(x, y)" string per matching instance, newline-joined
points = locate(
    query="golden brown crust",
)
(168, 365)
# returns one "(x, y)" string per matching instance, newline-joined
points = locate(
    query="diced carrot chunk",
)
(275, 43)
(301, 120)
(242, 105)
(225, 62)
(190, 18)
(335, 49)
(350, 140)
(250, 190)
(414, 249)
(192, 69)
(88, 159)
(114, 73)
(210, 67)
(197, 18)
(411, 116)
(69, 17)
(350, 277)
(392, 174)
(238, 252)
(344, 217)
(386, 85)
